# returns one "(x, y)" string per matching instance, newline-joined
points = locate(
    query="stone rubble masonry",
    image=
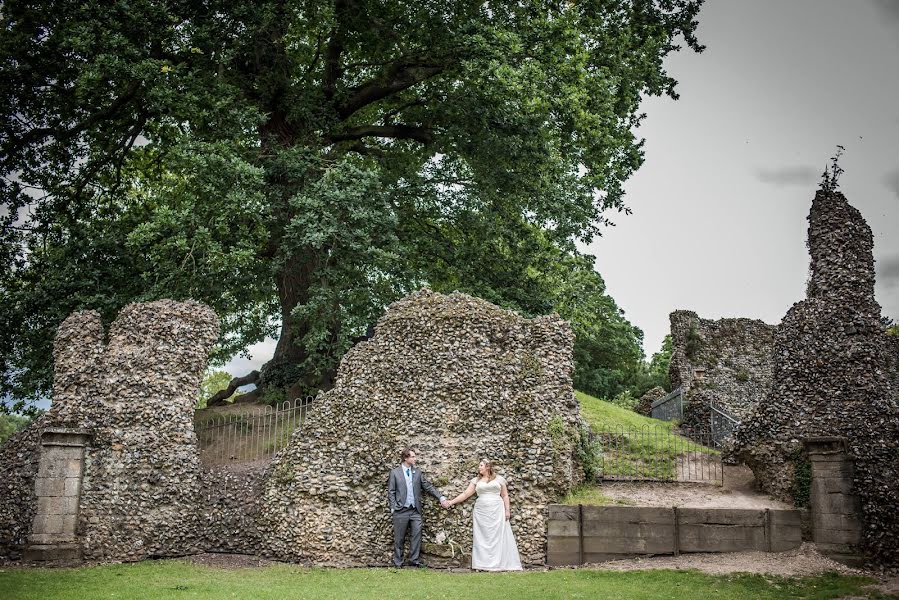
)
(644, 404)
(19, 460)
(832, 377)
(230, 507)
(728, 361)
(135, 395)
(459, 380)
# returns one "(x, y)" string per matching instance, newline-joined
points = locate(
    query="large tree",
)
(299, 164)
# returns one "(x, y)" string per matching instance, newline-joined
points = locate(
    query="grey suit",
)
(404, 515)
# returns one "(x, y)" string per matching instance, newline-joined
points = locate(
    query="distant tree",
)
(658, 365)
(214, 382)
(9, 424)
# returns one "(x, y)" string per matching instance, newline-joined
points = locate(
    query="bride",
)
(493, 544)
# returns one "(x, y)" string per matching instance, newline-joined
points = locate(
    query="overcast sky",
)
(720, 205)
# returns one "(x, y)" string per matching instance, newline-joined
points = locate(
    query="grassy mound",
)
(631, 446)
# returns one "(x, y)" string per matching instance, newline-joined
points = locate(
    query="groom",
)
(404, 498)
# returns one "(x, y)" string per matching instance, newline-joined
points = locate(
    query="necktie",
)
(408, 473)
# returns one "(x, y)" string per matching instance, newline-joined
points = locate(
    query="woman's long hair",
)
(488, 465)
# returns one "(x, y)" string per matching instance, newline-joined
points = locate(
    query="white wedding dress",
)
(493, 544)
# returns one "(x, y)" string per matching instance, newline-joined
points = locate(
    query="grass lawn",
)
(592, 495)
(637, 446)
(179, 579)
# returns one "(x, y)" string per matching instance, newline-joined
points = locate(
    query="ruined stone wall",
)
(229, 507)
(832, 377)
(135, 395)
(727, 360)
(644, 404)
(19, 458)
(458, 379)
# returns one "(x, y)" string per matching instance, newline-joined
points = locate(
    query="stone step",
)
(53, 553)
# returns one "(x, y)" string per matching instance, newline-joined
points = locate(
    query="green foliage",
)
(889, 325)
(693, 345)
(9, 424)
(831, 175)
(303, 165)
(557, 432)
(273, 396)
(624, 400)
(588, 453)
(658, 365)
(802, 480)
(742, 376)
(214, 381)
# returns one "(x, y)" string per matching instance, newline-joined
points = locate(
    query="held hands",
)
(446, 504)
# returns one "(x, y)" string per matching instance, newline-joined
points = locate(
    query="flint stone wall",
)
(229, 507)
(19, 459)
(644, 404)
(832, 377)
(729, 361)
(135, 394)
(458, 379)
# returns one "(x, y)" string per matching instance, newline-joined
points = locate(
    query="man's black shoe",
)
(419, 565)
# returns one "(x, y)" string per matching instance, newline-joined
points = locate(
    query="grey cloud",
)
(892, 181)
(889, 9)
(798, 175)
(888, 271)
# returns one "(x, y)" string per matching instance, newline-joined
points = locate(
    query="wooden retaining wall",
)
(585, 534)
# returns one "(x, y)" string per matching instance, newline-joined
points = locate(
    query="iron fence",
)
(669, 408)
(657, 453)
(721, 422)
(251, 434)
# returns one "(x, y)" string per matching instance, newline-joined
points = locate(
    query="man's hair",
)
(406, 452)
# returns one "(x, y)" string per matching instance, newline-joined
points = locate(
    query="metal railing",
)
(657, 453)
(721, 422)
(669, 408)
(249, 435)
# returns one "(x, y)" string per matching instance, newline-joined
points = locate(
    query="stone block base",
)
(62, 553)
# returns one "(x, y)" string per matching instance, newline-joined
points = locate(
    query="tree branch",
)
(425, 135)
(398, 78)
(335, 49)
(40, 134)
(219, 397)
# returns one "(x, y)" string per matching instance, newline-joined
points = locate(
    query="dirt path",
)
(738, 491)
(805, 560)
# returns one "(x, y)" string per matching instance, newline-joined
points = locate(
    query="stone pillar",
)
(57, 488)
(835, 507)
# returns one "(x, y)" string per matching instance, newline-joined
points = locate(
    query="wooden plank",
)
(721, 538)
(721, 516)
(560, 559)
(628, 514)
(628, 545)
(562, 512)
(612, 529)
(562, 545)
(562, 528)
